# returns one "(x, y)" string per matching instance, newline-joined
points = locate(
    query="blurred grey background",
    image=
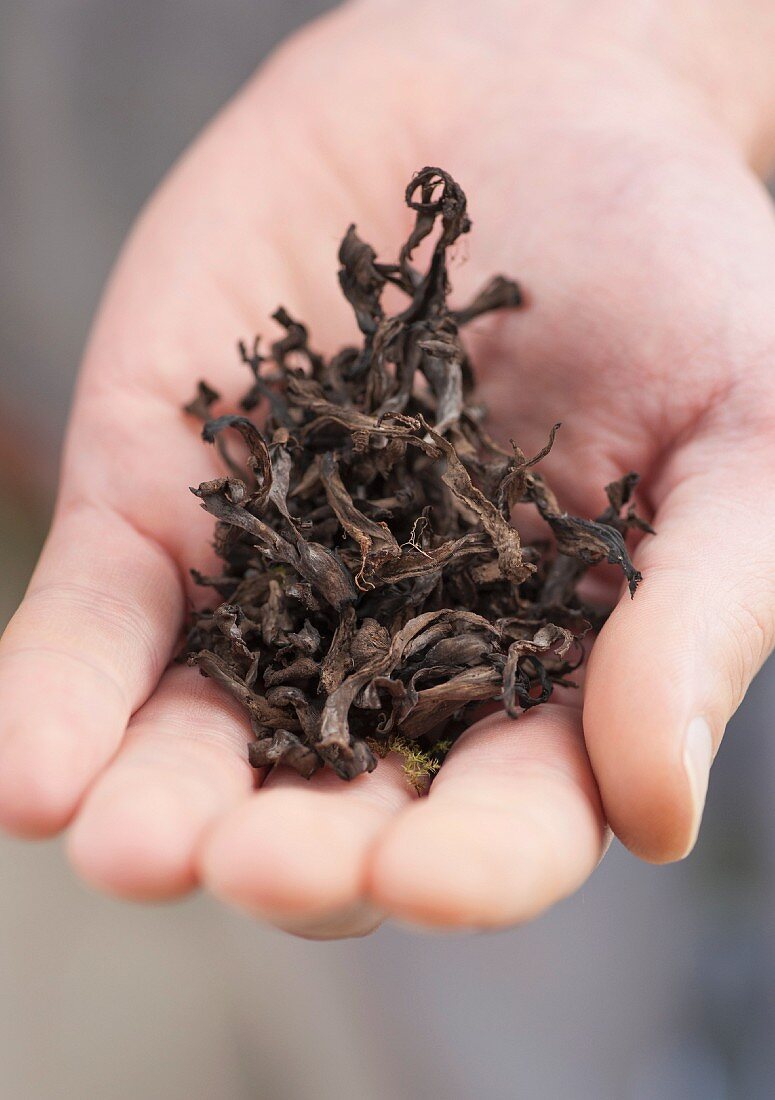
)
(649, 984)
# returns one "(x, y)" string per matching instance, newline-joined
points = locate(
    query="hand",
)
(597, 174)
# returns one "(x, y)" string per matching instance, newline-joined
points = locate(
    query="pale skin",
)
(609, 152)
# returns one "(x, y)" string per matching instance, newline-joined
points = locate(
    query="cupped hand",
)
(602, 180)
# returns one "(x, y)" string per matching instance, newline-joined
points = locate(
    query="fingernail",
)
(697, 758)
(350, 922)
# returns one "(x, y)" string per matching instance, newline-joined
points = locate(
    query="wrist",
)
(724, 49)
(720, 52)
(668, 64)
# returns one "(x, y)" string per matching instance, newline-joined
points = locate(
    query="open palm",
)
(647, 250)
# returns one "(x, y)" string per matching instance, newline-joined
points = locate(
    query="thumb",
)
(671, 666)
